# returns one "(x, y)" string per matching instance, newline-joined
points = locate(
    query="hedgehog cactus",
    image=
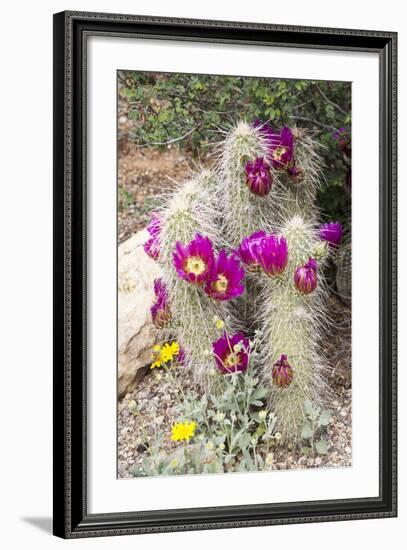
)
(344, 273)
(291, 321)
(245, 199)
(260, 203)
(188, 213)
(297, 188)
(245, 191)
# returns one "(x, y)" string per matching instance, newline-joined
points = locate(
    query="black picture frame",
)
(71, 518)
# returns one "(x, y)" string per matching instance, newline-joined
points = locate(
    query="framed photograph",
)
(224, 274)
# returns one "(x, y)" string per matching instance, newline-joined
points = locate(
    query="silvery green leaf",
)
(306, 450)
(236, 438)
(260, 393)
(242, 465)
(324, 418)
(220, 439)
(255, 416)
(244, 440)
(321, 447)
(308, 408)
(306, 432)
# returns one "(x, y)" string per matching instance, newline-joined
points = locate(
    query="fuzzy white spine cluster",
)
(189, 211)
(242, 211)
(297, 198)
(220, 206)
(292, 324)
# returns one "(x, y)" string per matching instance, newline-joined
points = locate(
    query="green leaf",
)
(321, 447)
(306, 432)
(306, 450)
(260, 393)
(308, 408)
(255, 416)
(242, 465)
(244, 441)
(324, 418)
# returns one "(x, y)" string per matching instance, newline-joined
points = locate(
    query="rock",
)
(136, 333)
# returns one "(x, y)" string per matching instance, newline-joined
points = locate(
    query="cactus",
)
(243, 212)
(296, 192)
(291, 323)
(344, 273)
(256, 185)
(188, 212)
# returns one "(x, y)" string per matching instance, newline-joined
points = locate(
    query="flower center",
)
(278, 153)
(221, 284)
(195, 265)
(232, 360)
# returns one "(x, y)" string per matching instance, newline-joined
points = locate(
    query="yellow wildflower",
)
(164, 354)
(168, 351)
(156, 363)
(156, 357)
(183, 431)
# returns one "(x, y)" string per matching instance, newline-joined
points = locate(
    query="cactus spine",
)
(223, 208)
(344, 273)
(291, 325)
(297, 197)
(187, 213)
(242, 212)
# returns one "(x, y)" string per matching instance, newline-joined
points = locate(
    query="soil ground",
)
(143, 175)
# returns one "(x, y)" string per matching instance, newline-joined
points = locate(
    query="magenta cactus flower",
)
(331, 233)
(195, 261)
(231, 354)
(282, 149)
(160, 312)
(272, 254)
(154, 226)
(181, 357)
(258, 176)
(152, 246)
(227, 278)
(247, 250)
(305, 277)
(282, 373)
(264, 129)
(281, 144)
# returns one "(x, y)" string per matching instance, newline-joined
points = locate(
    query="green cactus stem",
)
(189, 211)
(292, 324)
